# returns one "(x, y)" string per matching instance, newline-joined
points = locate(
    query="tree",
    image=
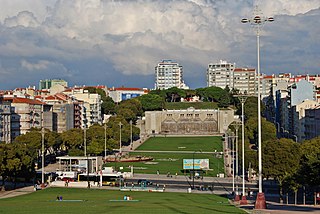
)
(174, 94)
(72, 141)
(280, 159)
(108, 106)
(151, 102)
(309, 170)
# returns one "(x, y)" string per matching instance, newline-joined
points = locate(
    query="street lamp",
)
(42, 156)
(243, 99)
(131, 135)
(257, 21)
(193, 167)
(105, 141)
(85, 140)
(120, 151)
(295, 138)
(236, 124)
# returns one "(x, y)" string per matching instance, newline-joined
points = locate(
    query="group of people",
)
(127, 198)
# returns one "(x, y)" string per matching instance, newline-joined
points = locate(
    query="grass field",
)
(206, 144)
(173, 162)
(98, 201)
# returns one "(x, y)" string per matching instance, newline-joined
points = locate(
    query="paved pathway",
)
(277, 208)
(16, 192)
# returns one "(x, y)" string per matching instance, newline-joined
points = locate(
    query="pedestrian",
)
(176, 175)
(158, 172)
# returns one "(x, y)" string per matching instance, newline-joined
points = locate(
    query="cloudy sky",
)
(119, 42)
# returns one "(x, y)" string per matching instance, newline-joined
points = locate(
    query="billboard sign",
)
(195, 164)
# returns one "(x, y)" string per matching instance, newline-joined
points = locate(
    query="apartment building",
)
(299, 117)
(119, 94)
(244, 80)
(48, 83)
(28, 113)
(169, 74)
(312, 122)
(90, 106)
(5, 122)
(220, 74)
(63, 113)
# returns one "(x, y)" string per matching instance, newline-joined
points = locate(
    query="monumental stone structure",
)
(188, 121)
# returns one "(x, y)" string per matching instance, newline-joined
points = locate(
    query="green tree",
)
(108, 106)
(151, 102)
(174, 94)
(309, 170)
(73, 141)
(280, 159)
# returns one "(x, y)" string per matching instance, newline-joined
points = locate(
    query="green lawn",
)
(97, 201)
(206, 144)
(173, 162)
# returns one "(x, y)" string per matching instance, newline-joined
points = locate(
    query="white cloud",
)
(129, 37)
(40, 65)
(24, 18)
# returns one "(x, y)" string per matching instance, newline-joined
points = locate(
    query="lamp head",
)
(244, 20)
(270, 19)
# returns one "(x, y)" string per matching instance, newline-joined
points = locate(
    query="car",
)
(144, 182)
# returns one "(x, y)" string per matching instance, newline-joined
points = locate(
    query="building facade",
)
(90, 106)
(119, 94)
(28, 113)
(5, 122)
(244, 80)
(220, 74)
(188, 121)
(48, 83)
(312, 122)
(169, 74)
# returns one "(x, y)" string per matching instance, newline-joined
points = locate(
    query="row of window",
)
(190, 115)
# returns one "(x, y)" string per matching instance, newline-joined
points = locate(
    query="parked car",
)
(144, 182)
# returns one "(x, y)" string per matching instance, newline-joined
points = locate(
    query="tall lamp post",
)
(85, 140)
(105, 141)
(243, 200)
(193, 167)
(120, 150)
(236, 124)
(42, 156)
(131, 135)
(257, 21)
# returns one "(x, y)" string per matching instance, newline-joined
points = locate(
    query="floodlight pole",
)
(105, 141)
(243, 200)
(236, 124)
(120, 149)
(42, 156)
(257, 21)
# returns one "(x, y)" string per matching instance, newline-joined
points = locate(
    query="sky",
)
(119, 42)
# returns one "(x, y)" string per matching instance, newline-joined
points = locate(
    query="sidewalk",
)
(16, 192)
(277, 208)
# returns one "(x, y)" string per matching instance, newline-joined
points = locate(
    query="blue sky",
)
(119, 42)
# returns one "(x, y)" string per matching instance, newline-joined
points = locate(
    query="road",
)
(221, 186)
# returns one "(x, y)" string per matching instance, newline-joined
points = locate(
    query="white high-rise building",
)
(169, 74)
(220, 74)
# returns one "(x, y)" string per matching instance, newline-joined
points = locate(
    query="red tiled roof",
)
(244, 69)
(125, 89)
(23, 100)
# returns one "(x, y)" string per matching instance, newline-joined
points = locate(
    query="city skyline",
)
(118, 43)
